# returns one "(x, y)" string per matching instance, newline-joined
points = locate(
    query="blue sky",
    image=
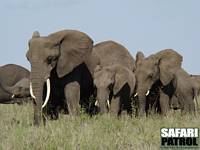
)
(147, 25)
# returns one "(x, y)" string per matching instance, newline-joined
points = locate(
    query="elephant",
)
(114, 87)
(14, 84)
(21, 89)
(111, 53)
(187, 91)
(61, 62)
(160, 67)
(114, 79)
(196, 78)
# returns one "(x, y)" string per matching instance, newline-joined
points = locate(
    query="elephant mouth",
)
(146, 94)
(107, 103)
(47, 95)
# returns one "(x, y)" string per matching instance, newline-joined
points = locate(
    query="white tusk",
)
(108, 103)
(136, 94)
(147, 93)
(31, 91)
(48, 93)
(96, 103)
(13, 96)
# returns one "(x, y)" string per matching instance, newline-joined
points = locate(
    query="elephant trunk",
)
(142, 93)
(37, 86)
(103, 100)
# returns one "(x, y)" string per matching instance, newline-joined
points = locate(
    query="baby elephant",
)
(114, 87)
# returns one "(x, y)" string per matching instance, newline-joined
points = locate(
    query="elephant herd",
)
(69, 73)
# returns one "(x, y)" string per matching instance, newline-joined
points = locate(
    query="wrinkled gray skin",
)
(116, 84)
(162, 67)
(63, 57)
(113, 53)
(187, 90)
(113, 79)
(14, 84)
(21, 89)
(196, 78)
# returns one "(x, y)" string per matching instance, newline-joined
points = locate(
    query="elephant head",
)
(22, 88)
(160, 66)
(62, 51)
(109, 81)
(19, 89)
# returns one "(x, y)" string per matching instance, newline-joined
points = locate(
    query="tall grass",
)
(84, 132)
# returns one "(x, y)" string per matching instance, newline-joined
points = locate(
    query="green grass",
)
(83, 132)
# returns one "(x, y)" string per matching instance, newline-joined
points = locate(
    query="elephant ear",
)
(74, 47)
(169, 62)
(139, 57)
(123, 76)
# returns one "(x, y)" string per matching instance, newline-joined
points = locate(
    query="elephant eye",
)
(51, 59)
(150, 75)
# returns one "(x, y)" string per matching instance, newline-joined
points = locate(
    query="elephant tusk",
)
(136, 94)
(96, 103)
(31, 91)
(13, 96)
(147, 93)
(108, 103)
(48, 93)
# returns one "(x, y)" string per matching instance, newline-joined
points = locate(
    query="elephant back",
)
(10, 74)
(113, 53)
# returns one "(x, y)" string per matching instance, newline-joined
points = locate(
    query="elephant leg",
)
(135, 105)
(52, 107)
(192, 107)
(164, 103)
(129, 107)
(115, 107)
(184, 108)
(189, 105)
(72, 95)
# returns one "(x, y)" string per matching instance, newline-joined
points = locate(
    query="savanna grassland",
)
(83, 132)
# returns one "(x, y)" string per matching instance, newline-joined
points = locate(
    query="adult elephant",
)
(14, 84)
(65, 62)
(114, 79)
(160, 67)
(187, 91)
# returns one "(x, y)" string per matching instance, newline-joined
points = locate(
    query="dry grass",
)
(83, 132)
